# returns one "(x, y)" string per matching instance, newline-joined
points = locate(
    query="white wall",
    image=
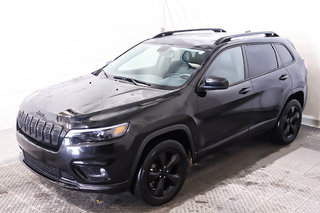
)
(44, 42)
(296, 20)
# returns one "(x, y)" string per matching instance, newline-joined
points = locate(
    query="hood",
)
(85, 95)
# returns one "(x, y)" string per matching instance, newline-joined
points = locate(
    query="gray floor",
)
(246, 176)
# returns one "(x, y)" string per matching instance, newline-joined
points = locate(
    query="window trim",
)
(276, 55)
(210, 61)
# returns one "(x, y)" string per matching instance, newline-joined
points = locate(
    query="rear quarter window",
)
(284, 53)
(261, 59)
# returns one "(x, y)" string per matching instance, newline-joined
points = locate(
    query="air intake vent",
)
(46, 170)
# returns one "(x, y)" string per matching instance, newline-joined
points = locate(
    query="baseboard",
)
(312, 121)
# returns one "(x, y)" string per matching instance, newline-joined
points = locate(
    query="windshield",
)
(157, 64)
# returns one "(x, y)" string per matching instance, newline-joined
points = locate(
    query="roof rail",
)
(228, 38)
(217, 30)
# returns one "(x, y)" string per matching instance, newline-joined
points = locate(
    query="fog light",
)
(93, 173)
(103, 172)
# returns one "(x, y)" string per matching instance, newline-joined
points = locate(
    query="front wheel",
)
(289, 123)
(162, 173)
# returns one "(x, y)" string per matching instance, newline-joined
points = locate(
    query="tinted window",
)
(261, 59)
(229, 65)
(284, 53)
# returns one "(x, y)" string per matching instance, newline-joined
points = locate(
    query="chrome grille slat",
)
(47, 132)
(23, 118)
(40, 130)
(55, 134)
(27, 124)
(20, 118)
(33, 127)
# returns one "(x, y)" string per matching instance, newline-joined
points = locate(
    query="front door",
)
(223, 114)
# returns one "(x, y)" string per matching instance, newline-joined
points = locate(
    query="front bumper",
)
(71, 165)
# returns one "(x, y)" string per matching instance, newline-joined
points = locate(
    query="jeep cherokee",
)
(136, 123)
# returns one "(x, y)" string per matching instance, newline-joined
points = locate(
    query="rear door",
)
(271, 83)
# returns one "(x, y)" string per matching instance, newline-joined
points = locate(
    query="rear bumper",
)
(305, 96)
(63, 167)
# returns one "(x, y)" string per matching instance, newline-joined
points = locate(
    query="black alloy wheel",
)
(289, 123)
(162, 173)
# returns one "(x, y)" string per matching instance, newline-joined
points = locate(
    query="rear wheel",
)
(289, 123)
(162, 173)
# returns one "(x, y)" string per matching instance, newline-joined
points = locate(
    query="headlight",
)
(98, 134)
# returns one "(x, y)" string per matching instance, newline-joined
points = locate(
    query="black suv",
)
(136, 123)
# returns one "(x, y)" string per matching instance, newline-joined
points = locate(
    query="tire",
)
(162, 173)
(288, 125)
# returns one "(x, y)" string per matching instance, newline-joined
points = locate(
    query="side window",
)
(284, 53)
(229, 65)
(261, 59)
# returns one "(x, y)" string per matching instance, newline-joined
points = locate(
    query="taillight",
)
(305, 64)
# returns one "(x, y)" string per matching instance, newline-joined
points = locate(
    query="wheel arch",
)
(299, 96)
(179, 132)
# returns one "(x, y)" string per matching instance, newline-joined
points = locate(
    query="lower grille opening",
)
(44, 169)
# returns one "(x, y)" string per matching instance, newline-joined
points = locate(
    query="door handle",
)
(283, 77)
(244, 90)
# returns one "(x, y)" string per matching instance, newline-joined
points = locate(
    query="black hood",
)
(87, 96)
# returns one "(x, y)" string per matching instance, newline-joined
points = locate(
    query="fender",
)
(155, 134)
(284, 102)
(304, 91)
(293, 91)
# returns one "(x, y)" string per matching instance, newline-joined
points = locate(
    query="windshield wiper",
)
(105, 73)
(97, 72)
(132, 80)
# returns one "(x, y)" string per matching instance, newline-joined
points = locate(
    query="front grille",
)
(44, 169)
(41, 131)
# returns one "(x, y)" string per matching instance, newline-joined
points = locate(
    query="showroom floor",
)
(246, 176)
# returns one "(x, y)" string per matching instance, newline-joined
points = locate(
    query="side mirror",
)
(214, 82)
